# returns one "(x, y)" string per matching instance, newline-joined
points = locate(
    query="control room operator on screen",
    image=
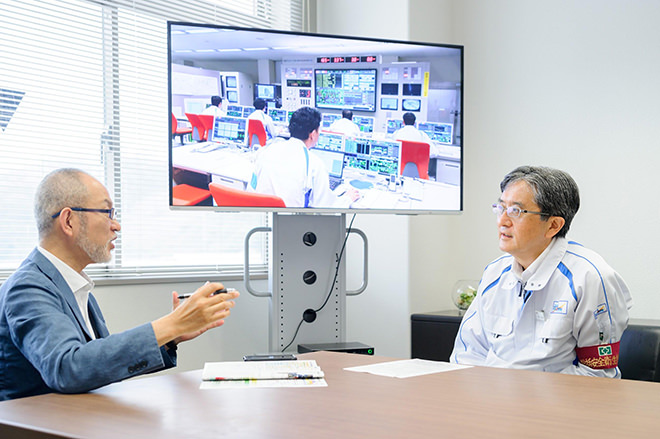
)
(550, 304)
(259, 113)
(53, 337)
(215, 109)
(345, 125)
(409, 131)
(289, 170)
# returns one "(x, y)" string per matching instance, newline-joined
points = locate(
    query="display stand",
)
(305, 295)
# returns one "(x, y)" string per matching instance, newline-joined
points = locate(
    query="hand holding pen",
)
(220, 291)
(196, 313)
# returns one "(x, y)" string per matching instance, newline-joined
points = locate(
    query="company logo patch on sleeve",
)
(599, 357)
(600, 309)
(559, 307)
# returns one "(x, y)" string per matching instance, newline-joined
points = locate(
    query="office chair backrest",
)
(187, 195)
(207, 122)
(199, 132)
(227, 196)
(639, 353)
(256, 132)
(179, 131)
(415, 159)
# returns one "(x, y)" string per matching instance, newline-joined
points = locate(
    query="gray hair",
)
(555, 191)
(59, 189)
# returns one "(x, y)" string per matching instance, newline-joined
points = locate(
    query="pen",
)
(284, 376)
(300, 375)
(224, 290)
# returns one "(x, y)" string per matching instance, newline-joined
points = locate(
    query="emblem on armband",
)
(599, 357)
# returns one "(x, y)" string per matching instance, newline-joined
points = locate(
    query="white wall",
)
(571, 85)
(566, 84)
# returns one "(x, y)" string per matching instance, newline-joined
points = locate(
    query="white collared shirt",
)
(80, 284)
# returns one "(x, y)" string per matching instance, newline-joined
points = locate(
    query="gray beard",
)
(97, 253)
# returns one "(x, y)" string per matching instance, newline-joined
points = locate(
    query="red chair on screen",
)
(207, 122)
(198, 131)
(256, 132)
(227, 196)
(179, 131)
(415, 158)
(186, 195)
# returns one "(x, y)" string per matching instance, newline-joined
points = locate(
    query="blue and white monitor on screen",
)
(330, 142)
(232, 95)
(328, 118)
(366, 123)
(389, 104)
(248, 110)
(235, 110)
(333, 160)
(438, 131)
(393, 125)
(230, 129)
(278, 115)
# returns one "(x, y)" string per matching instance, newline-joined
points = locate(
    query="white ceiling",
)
(210, 43)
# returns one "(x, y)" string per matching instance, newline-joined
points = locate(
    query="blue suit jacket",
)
(45, 345)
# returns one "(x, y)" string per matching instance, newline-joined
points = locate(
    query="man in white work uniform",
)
(550, 304)
(409, 132)
(287, 168)
(345, 125)
(215, 109)
(259, 113)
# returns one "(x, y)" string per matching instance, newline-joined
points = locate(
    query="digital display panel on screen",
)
(389, 103)
(353, 89)
(389, 89)
(377, 79)
(265, 91)
(411, 89)
(411, 104)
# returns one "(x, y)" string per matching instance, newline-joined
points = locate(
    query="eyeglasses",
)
(513, 211)
(109, 212)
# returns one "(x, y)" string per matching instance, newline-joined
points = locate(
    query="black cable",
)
(332, 285)
(294, 335)
(341, 253)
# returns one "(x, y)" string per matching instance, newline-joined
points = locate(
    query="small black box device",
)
(351, 347)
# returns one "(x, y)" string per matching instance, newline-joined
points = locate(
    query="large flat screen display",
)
(373, 78)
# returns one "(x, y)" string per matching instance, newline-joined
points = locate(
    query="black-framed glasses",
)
(513, 211)
(109, 212)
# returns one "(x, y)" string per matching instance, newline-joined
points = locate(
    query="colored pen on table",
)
(224, 290)
(284, 376)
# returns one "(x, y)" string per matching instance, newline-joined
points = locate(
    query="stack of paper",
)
(262, 374)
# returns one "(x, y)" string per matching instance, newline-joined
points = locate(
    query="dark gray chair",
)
(639, 353)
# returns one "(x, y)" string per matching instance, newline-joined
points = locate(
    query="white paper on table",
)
(251, 384)
(407, 368)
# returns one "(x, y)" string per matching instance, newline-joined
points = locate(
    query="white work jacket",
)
(286, 168)
(266, 120)
(344, 126)
(409, 132)
(565, 313)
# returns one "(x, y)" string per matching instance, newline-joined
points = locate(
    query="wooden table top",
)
(476, 402)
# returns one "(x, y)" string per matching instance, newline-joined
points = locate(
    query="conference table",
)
(475, 402)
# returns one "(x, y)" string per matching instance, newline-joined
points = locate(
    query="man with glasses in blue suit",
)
(549, 304)
(53, 337)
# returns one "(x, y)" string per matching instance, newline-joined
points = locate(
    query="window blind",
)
(83, 84)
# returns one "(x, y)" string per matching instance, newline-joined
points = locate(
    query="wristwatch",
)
(171, 345)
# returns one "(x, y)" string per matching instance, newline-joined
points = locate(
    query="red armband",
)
(605, 356)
